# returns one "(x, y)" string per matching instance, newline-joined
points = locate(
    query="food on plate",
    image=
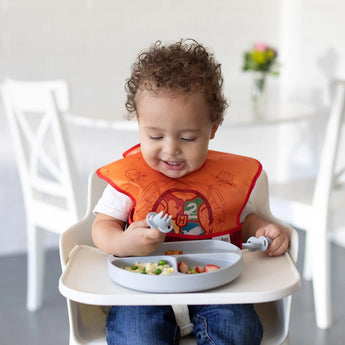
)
(154, 268)
(184, 268)
(211, 268)
(173, 252)
(199, 269)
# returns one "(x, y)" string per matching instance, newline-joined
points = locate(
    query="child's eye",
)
(188, 139)
(155, 138)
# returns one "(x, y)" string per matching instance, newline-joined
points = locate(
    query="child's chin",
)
(174, 173)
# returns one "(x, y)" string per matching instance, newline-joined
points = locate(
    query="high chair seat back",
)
(87, 321)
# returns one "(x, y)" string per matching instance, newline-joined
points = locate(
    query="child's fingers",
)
(271, 230)
(138, 224)
(260, 232)
(280, 241)
(144, 229)
(154, 233)
(278, 246)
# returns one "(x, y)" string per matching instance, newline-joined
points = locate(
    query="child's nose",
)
(171, 147)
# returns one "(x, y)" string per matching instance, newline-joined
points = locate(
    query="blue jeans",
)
(228, 324)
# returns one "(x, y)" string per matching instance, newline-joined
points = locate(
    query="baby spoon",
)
(260, 243)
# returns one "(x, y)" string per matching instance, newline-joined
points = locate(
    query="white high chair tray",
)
(194, 253)
(262, 279)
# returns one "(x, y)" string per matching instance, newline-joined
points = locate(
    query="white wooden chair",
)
(48, 180)
(87, 321)
(317, 206)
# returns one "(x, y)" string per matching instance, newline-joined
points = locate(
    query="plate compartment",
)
(195, 253)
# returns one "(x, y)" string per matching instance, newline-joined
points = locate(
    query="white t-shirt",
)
(118, 205)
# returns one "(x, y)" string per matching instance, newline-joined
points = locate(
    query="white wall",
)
(91, 44)
(312, 45)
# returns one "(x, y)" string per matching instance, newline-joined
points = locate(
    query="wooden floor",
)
(49, 326)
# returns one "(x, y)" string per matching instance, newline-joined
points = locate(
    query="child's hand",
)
(138, 240)
(142, 238)
(280, 240)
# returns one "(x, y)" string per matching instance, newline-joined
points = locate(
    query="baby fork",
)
(157, 220)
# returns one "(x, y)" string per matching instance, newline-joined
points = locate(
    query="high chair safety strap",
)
(182, 319)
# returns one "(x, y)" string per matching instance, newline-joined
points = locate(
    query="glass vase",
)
(258, 87)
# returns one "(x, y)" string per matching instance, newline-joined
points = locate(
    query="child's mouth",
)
(173, 165)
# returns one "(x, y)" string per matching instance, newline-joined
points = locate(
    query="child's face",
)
(175, 130)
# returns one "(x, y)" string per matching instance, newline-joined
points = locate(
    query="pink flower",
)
(260, 46)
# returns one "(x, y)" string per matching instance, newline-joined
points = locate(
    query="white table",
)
(240, 113)
(244, 113)
(263, 279)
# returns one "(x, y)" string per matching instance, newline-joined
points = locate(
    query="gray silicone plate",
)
(195, 253)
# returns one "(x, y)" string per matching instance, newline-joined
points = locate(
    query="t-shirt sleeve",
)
(114, 204)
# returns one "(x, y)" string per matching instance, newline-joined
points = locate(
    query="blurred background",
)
(92, 44)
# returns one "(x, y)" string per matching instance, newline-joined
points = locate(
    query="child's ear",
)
(214, 130)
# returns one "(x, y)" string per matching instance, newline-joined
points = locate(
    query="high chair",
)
(317, 206)
(48, 180)
(267, 282)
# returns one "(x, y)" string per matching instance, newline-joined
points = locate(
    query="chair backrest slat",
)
(326, 175)
(45, 163)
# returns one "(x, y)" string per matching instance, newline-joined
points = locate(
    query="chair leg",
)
(307, 265)
(35, 267)
(321, 281)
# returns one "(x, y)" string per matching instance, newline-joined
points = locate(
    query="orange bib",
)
(204, 204)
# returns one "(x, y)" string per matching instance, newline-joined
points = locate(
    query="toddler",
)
(175, 93)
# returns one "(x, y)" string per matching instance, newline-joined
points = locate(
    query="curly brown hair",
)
(185, 66)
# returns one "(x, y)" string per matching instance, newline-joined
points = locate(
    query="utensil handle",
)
(255, 243)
